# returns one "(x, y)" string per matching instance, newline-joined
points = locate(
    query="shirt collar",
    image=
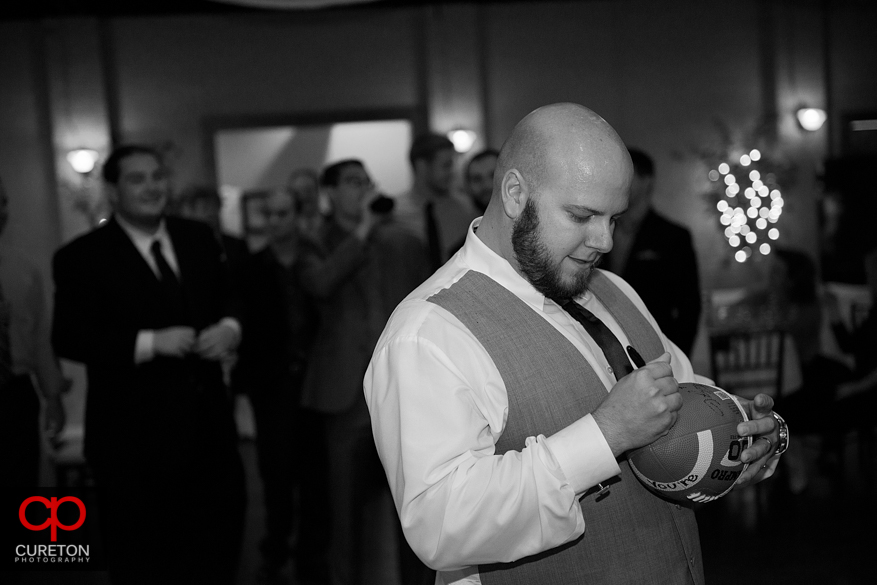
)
(479, 257)
(140, 236)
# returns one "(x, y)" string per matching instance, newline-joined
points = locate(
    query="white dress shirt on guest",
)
(438, 405)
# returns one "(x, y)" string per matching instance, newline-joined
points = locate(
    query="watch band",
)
(783, 439)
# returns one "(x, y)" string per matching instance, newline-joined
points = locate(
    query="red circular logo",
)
(52, 506)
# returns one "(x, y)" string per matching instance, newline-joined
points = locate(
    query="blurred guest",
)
(305, 187)
(25, 355)
(479, 178)
(142, 302)
(281, 322)
(861, 343)
(657, 258)
(791, 303)
(357, 272)
(203, 203)
(795, 306)
(430, 210)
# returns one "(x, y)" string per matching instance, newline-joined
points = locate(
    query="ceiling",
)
(36, 9)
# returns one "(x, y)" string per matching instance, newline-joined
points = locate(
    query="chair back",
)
(747, 363)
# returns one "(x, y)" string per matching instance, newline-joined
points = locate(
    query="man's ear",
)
(515, 192)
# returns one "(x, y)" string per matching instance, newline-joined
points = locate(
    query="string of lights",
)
(751, 206)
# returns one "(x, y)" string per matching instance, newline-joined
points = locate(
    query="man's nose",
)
(600, 237)
(153, 184)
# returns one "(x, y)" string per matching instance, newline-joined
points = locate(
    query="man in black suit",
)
(657, 258)
(141, 302)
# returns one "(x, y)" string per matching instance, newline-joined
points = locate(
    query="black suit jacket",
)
(280, 321)
(662, 268)
(171, 411)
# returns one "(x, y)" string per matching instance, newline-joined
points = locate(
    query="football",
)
(698, 460)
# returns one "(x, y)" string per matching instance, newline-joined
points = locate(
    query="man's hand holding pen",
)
(641, 407)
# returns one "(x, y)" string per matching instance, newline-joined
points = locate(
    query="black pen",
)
(635, 357)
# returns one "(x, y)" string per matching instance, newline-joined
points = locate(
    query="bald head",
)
(560, 138)
(561, 181)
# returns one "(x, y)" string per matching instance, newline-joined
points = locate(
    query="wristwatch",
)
(783, 440)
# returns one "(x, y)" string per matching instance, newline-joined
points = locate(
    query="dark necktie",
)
(604, 337)
(5, 349)
(432, 237)
(169, 282)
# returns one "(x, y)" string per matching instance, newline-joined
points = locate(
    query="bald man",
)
(500, 420)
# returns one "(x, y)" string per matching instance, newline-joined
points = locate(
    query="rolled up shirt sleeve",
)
(438, 406)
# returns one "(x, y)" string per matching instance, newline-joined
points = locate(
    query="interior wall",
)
(26, 148)
(173, 72)
(661, 73)
(853, 62)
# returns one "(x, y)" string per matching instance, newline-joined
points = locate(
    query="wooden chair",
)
(747, 363)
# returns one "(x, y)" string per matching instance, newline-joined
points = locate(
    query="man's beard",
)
(535, 261)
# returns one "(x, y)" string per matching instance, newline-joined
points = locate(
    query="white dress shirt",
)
(438, 405)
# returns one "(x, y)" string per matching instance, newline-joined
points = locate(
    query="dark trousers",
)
(291, 454)
(275, 410)
(312, 549)
(172, 524)
(356, 478)
(19, 433)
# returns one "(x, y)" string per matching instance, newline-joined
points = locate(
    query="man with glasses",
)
(362, 266)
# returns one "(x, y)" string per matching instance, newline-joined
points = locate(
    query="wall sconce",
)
(463, 139)
(83, 160)
(811, 119)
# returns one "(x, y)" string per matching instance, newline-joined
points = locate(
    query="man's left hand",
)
(763, 429)
(216, 341)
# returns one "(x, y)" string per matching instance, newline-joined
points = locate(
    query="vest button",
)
(609, 369)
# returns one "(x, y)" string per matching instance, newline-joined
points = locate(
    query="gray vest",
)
(631, 535)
